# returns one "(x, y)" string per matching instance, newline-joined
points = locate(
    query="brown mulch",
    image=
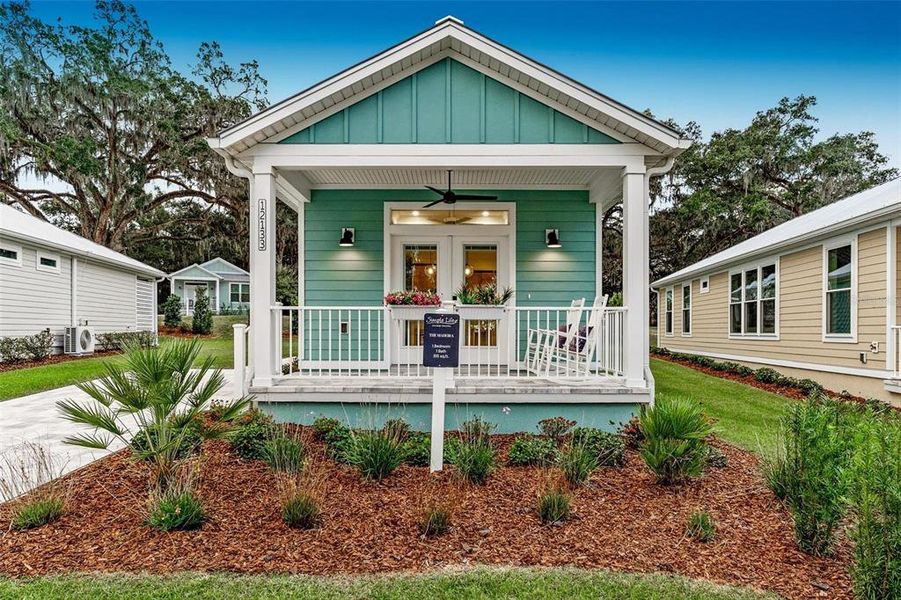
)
(622, 521)
(179, 333)
(50, 360)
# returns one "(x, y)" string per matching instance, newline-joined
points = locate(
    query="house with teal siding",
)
(449, 174)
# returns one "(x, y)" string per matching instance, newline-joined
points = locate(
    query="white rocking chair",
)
(574, 358)
(540, 342)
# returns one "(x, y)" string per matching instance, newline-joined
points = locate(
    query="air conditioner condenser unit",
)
(78, 340)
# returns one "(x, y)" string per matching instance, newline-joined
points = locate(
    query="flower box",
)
(481, 312)
(410, 312)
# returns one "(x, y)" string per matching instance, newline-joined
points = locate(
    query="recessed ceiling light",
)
(415, 213)
(485, 213)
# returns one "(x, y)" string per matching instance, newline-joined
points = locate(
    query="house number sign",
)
(263, 234)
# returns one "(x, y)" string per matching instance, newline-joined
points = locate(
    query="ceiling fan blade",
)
(475, 197)
(436, 190)
(431, 204)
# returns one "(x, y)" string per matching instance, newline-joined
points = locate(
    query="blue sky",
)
(713, 62)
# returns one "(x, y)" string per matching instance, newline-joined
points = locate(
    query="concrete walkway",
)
(36, 419)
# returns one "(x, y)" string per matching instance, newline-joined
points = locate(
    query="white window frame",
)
(13, 262)
(740, 270)
(50, 256)
(668, 309)
(841, 338)
(704, 285)
(232, 284)
(682, 332)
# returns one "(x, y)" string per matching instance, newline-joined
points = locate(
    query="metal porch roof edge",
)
(874, 204)
(18, 225)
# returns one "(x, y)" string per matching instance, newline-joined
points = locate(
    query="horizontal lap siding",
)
(32, 300)
(106, 297)
(800, 312)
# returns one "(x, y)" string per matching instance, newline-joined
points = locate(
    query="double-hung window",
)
(239, 293)
(686, 309)
(752, 301)
(839, 309)
(668, 318)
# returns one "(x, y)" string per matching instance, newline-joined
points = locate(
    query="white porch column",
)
(635, 275)
(262, 274)
(599, 248)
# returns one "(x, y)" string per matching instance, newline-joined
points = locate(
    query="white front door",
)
(445, 264)
(191, 296)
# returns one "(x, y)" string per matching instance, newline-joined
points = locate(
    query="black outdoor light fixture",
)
(347, 237)
(552, 238)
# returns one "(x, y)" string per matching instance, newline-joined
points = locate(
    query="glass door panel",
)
(420, 275)
(479, 276)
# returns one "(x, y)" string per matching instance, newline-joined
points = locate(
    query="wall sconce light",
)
(347, 237)
(552, 238)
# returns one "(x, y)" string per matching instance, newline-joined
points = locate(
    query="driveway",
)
(36, 419)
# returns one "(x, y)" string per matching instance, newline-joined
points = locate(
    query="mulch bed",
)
(622, 521)
(56, 358)
(179, 333)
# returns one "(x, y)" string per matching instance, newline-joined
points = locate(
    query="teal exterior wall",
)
(449, 103)
(509, 417)
(335, 276)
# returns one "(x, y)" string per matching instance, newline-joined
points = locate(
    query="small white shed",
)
(52, 278)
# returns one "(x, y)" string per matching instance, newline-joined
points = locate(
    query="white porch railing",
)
(378, 341)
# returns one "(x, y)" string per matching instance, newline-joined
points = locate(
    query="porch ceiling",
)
(605, 183)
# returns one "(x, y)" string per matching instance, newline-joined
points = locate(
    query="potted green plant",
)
(412, 306)
(482, 302)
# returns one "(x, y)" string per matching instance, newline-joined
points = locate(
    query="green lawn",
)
(479, 583)
(746, 416)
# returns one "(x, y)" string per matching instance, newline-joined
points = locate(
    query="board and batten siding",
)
(335, 276)
(800, 300)
(33, 300)
(107, 298)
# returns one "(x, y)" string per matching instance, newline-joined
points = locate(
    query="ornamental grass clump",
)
(176, 504)
(476, 430)
(810, 470)
(700, 526)
(554, 502)
(577, 462)
(375, 453)
(301, 495)
(674, 445)
(31, 479)
(285, 452)
(475, 461)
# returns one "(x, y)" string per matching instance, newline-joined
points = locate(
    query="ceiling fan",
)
(451, 197)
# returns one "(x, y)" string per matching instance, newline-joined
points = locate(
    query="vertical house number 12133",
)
(263, 233)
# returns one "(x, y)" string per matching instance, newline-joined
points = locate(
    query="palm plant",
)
(156, 389)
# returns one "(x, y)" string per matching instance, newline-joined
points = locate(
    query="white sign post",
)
(441, 351)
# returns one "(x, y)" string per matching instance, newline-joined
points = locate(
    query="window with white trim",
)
(839, 276)
(752, 301)
(47, 262)
(705, 285)
(686, 309)
(668, 318)
(239, 293)
(10, 254)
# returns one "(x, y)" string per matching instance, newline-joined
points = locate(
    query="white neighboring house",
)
(226, 285)
(52, 278)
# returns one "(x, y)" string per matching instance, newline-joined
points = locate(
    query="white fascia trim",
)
(175, 275)
(220, 259)
(775, 362)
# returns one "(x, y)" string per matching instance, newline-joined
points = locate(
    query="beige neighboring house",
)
(814, 297)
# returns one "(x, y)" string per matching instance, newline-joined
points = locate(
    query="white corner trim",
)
(853, 371)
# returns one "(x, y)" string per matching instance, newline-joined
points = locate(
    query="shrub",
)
(120, 340)
(176, 509)
(171, 311)
(555, 428)
(418, 449)
(397, 428)
(674, 447)
(700, 526)
(11, 350)
(284, 453)
(608, 448)
(146, 439)
(476, 430)
(532, 450)
(767, 375)
(715, 458)
(809, 471)
(255, 431)
(375, 453)
(202, 319)
(809, 386)
(475, 461)
(31, 479)
(743, 370)
(554, 503)
(166, 389)
(339, 443)
(38, 346)
(577, 462)
(323, 425)
(875, 493)
(632, 434)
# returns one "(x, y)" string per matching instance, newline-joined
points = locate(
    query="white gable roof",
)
(222, 267)
(449, 37)
(19, 225)
(880, 202)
